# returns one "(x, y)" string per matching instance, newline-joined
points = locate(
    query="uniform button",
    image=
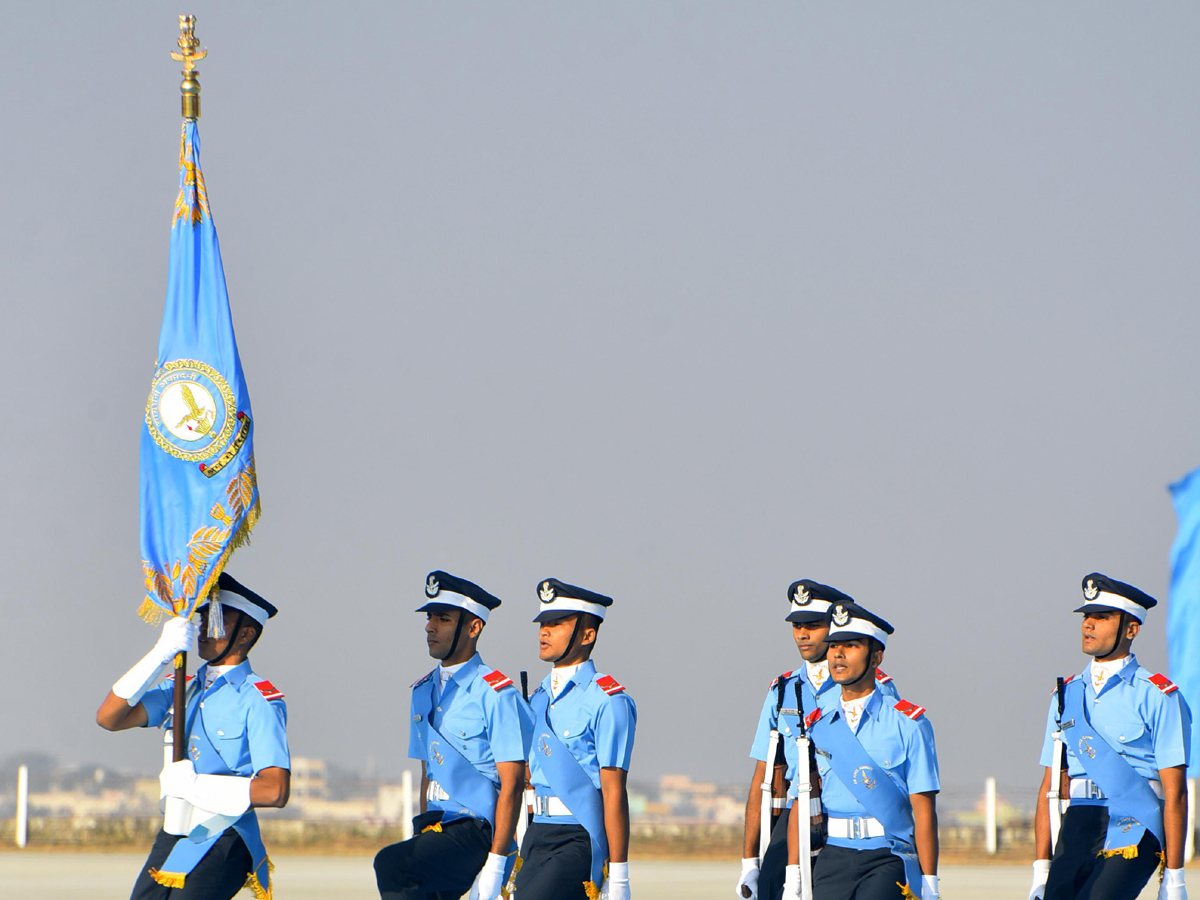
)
(221, 733)
(787, 730)
(202, 704)
(566, 734)
(439, 709)
(462, 734)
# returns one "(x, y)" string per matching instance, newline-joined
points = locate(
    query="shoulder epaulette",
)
(171, 677)
(882, 677)
(269, 690)
(420, 681)
(1163, 683)
(907, 708)
(497, 680)
(811, 719)
(780, 677)
(609, 685)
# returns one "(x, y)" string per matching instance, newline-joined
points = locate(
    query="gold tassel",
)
(506, 891)
(436, 826)
(1162, 865)
(906, 893)
(1127, 852)
(254, 886)
(590, 888)
(167, 879)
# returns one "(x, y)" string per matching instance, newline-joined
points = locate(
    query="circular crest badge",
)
(190, 410)
(802, 596)
(547, 592)
(841, 616)
(432, 588)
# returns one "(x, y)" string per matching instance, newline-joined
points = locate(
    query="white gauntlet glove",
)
(490, 879)
(224, 795)
(1172, 886)
(616, 885)
(179, 635)
(1041, 872)
(749, 880)
(929, 887)
(791, 883)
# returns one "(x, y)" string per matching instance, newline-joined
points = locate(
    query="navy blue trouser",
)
(556, 860)
(1079, 872)
(433, 865)
(218, 876)
(844, 874)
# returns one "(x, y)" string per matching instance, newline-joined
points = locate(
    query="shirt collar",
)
(235, 676)
(463, 672)
(585, 673)
(872, 704)
(822, 668)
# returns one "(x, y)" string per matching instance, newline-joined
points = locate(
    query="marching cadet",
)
(1126, 735)
(879, 777)
(809, 602)
(470, 730)
(577, 845)
(237, 751)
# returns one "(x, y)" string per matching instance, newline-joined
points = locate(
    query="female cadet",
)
(879, 777)
(1126, 735)
(584, 725)
(237, 751)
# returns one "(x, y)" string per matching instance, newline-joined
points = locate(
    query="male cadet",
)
(1126, 734)
(879, 777)
(578, 843)
(470, 729)
(809, 603)
(237, 751)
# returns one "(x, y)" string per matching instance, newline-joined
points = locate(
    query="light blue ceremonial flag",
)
(199, 493)
(1183, 615)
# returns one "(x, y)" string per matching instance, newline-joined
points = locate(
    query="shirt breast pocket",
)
(231, 746)
(467, 734)
(895, 762)
(1129, 734)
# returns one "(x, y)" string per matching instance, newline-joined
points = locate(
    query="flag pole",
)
(189, 90)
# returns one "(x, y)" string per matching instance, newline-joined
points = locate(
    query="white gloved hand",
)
(490, 879)
(178, 635)
(1172, 886)
(616, 885)
(1041, 872)
(178, 779)
(929, 887)
(749, 879)
(791, 883)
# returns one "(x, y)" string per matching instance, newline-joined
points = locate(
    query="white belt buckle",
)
(856, 829)
(1094, 792)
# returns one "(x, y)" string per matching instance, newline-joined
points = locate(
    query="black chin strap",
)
(1117, 640)
(237, 627)
(571, 642)
(462, 614)
(869, 670)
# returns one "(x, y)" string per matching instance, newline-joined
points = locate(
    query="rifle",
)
(524, 817)
(1054, 795)
(802, 808)
(767, 807)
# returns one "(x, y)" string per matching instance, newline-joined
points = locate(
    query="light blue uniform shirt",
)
(486, 725)
(1148, 727)
(788, 718)
(597, 727)
(903, 748)
(243, 716)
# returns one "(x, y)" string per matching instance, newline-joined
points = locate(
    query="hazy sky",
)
(676, 301)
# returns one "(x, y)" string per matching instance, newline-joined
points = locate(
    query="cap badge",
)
(1090, 591)
(432, 587)
(546, 592)
(841, 616)
(802, 596)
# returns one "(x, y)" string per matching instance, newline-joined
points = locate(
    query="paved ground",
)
(76, 876)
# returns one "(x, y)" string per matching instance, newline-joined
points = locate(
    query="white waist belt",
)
(1086, 789)
(550, 806)
(435, 792)
(858, 827)
(814, 804)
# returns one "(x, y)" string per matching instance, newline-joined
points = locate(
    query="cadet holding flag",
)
(471, 730)
(199, 500)
(584, 722)
(1127, 735)
(764, 858)
(879, 777)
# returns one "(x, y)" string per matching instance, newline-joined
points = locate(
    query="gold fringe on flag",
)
(506, 891)
(590, 888)
(1126, 852)
(167, 879)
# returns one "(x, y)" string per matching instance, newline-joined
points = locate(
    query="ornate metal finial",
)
(189, 53)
